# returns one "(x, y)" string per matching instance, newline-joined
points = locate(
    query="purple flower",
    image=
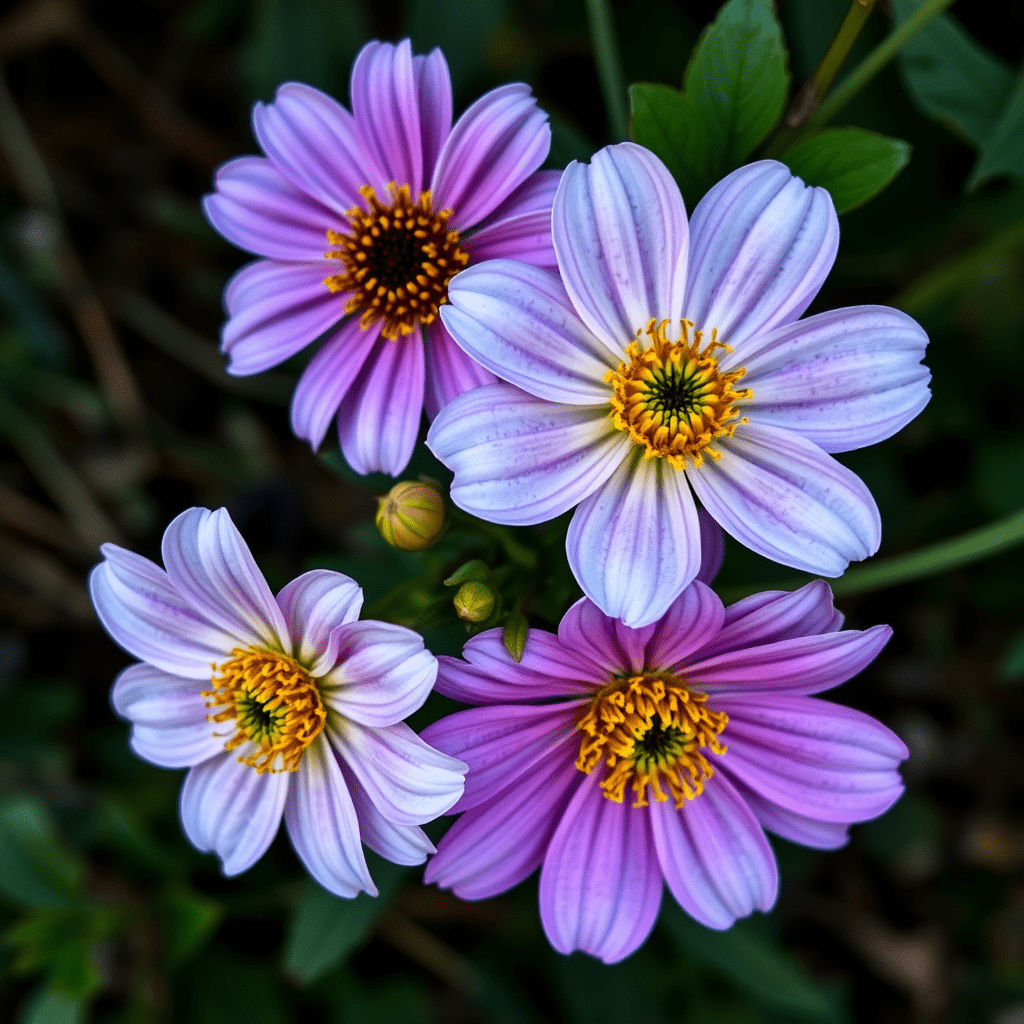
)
(616, 759)
(277, 706)
(670, 358)
(363, 218)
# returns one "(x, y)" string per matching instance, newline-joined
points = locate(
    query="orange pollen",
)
(398, 259)
(672, 398)
(649, 730)
(274, 705)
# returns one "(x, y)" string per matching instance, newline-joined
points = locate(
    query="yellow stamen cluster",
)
(274, 704)
(649, 730)
(672, 398)
(398, 259)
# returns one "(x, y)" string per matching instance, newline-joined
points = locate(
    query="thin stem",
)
(877, 59)
(609, 67)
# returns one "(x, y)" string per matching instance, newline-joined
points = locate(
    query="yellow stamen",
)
(398, 259)
(650, 729)
(672, 398)
(274, 704)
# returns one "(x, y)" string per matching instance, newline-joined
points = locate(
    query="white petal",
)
(313, 604)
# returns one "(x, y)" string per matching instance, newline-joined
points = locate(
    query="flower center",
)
(398, 259)
(649, 729)
(274, 704)
(672, 398)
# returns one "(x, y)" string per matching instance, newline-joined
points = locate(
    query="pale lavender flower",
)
(283, 706)
(362, 219)
(670, 357)
(621, 760)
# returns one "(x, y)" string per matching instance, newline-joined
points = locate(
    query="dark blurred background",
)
(115, 415)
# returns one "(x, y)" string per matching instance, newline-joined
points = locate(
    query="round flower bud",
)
(474, 602)
(410, 516)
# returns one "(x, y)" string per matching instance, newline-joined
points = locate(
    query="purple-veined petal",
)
(211, 566)
(328, 378)
(449, 371)
(797, 828)
(519, 229)
(386, 107)
(276, 309)
(715, 855)
(434, 91)
(313, 604)
(229, 809)
(408, 781)
(144, 613)
(786, 499)
(323, 826)
(380, 416)
(493, 148)
(520, 460)
(600, 885)
(812, 757)
(635, 542)
(619, 230)
(800, 665)
(843, 379)
(611, 645)
(517, 321)
(168, 716)
(376, 673)
(500, 744)
(693, 618)
(258, 209)
(312, 141)
(489, 675)
(712, 548)
(761, 244)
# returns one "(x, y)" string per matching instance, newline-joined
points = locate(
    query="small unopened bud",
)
(410, 516)
(474, 602)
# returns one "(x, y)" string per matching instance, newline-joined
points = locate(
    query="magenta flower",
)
(363, 219)
(618, 759)
(278, 706)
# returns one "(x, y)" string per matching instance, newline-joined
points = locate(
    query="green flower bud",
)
(411, 515)
(474, 602)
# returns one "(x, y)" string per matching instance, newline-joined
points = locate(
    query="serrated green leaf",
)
(474, 571)
(36, 870)
(1003, 152)
(853, 164)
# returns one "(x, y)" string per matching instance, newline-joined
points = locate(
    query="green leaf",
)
(1012, 668)
(851, 163)
(664, 121)
(951, 77)
(514, 635)
(474, 571)
(325, 929)
(52, 1006)
(188, 921)
(1003, 151)
(36, 870)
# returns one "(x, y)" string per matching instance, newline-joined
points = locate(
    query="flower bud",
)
(410, 516)
(474, 602)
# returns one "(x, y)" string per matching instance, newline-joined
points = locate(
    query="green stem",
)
(877, 59)
(609, 67)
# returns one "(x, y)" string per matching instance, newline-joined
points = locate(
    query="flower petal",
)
(797, 828)
(376, 673)
(258, 209)
(229, 809)
(519, 229)
(784, 498)
(634, 544)
(517, 321)
(211, 566)
(408, 781)
(329, 377)
(761, 244)
(312, 141)
(520, 460)
(842, 379)
(434, 91)
(712, 548)
(694, 617)
(715, 856)
(607, 643)
(619, 230)
(801, 665)
(600, 887)
(493, 148)
(313, 604)
(380, 417)
(276, 309)
(323, 826)
(449, 371)
(144, 613)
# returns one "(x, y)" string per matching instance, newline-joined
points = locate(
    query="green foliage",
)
(36, 869)
(515, 633)
(52, 1006)
(1003, 152)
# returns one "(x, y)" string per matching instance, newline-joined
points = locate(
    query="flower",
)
(277, 706)
(660, 363)
(615, 759)
(362, 219)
